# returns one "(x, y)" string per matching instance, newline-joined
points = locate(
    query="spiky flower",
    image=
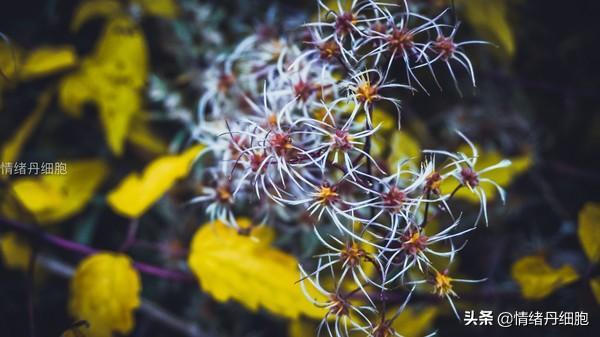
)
(288, 122)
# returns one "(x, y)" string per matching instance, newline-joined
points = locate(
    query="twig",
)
(424, 223)
(56, 241)
(130, 238)
(31, 290)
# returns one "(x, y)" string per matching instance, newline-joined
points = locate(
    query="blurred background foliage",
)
(108, 87)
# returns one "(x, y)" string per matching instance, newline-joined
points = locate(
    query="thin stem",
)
(456, 189)
(130, 238)
(366, 150)
(425, 217)
(31, 290)
(56, 241)
(344, 65)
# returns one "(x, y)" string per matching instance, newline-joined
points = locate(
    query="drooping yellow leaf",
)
(413, 322)
(502, 176)
(162, 8)
(248, 270)
(105, 291)
(91, 9)
(54, 198)
(595, 285)
(112, 78)
(15, 252)
(136, 193)
(538, 279)
(490, 18)
(12, 149)
(589, 230)
(47, 60)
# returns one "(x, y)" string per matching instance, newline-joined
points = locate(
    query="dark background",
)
(545, 99)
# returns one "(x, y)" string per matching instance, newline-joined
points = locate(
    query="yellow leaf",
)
(404, 147)
(112, 78)
(10, 59)
(15, 251)
(19, 65)
(490, 18)
(105, 291)
(589, 230)
(47, 60)
(136, 193)
(538, 279)
(301, 328)
(595, 285)
(232, 266)
(91, 9)
(414, 322)
(386, 123)
(333, 5)
(11, 150)
(54, 198)
(502, 176)
(163, 8)
(141, 135)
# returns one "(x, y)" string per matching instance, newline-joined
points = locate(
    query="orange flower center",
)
(366, 92)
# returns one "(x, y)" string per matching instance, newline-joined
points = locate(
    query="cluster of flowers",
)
(288, 122)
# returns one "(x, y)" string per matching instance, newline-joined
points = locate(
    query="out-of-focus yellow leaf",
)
(105, 291)
(233, 266)
(490, 18)
(10, 208)
(333, 5)
(386, 123)
(162, 8)
(141, 135)
(538, 279)
(301, 328)
(47, 60)
(595, 285)
(11, 150)
(54, 198)
(136, 193)
(502, 176)
(403, 147)
(7, 68)
(589, 230)
(91, 9)
(413, 322)
(77, 329)
(15, 251)
(381, 118)
(10, 58)
(112, 78)
(16, 65)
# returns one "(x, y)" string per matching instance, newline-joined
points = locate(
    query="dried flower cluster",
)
(287, 121)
